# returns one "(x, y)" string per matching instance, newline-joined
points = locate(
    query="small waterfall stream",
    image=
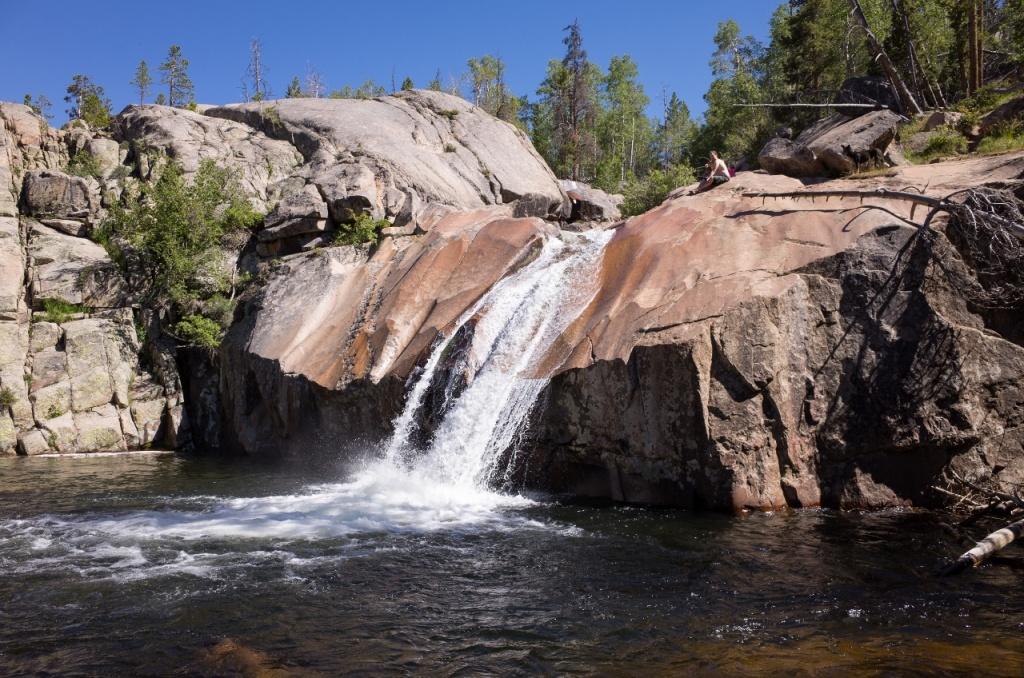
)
(513, 327)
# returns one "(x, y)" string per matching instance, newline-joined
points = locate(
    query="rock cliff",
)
(737, 354)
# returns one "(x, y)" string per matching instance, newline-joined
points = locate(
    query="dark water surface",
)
(142, 564)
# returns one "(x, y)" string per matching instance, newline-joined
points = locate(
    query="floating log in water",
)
(986, 548)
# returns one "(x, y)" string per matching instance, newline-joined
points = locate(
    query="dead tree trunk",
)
(910, 106)
(986, 548)
(974, 54)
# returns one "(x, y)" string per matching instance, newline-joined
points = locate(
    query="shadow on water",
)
(147, 565)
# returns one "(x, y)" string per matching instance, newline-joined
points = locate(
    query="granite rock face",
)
(189, 138)
(591, 204)
(71, 383)
(394, 155)
(736, 355)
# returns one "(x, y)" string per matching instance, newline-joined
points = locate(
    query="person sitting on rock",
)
(718, 173)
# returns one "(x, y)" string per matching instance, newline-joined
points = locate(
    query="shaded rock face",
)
(736, 354)
(591, 204)
(393, 155)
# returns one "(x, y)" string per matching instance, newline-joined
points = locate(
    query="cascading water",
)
(514, 326)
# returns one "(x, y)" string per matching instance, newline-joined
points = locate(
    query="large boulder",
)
(27, 143)
(591, 204)
(56, 195)
(392, 156)
(1003, 114)
(71, 269)
(189, 138)
(866, 89)
(835, 145)
(784, 156)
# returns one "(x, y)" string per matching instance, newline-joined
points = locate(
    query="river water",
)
(141, 564)
(420, 558)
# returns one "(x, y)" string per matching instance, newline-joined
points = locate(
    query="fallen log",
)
(936, 204)
(986, 548)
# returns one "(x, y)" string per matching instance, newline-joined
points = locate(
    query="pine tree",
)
(676, 132)
(180, 92)
(435, 84)
(577, 110)
(142, 81)
(87, 102)
(294, 90)
(40, 105)
(407, 84)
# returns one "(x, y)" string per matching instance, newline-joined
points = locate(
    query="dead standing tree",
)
(907, 100)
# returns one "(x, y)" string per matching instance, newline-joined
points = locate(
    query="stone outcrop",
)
(392, 156)
(591, 204)
(26, 143)
(833, 146)
(1008, 112)
(736, 355)
(866, 89)
(295, 370)
(71, 383)
(189, 138)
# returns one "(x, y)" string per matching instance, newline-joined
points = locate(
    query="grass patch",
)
(7, 397)
(449, 148)
(1006, 137)
(874, 173)
(59, 311)
(54, 411)
(943, 143)
(986, 99)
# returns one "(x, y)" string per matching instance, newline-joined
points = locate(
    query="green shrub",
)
(364, 229)
(944, 142)
(449, 148)
(968, 122)
(198, 330)
(220, 309)
(986, 98)
(54, 411)
(59, 311)
(449, 113)
(85, 164)
(167, 235)
(641, 195)
(7, 397)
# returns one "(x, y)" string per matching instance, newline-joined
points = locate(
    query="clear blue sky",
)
(45, 43)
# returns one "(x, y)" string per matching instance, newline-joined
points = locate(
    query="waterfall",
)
(513, 327)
